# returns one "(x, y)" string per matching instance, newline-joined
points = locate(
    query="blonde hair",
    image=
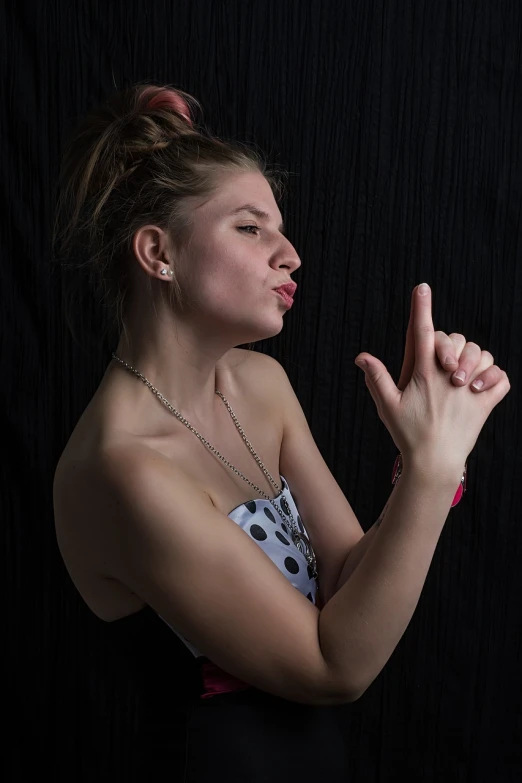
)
(133, 160)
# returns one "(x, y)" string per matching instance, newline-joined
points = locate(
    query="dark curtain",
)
(400, 124)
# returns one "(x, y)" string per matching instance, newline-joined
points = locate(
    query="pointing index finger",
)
(423, 329)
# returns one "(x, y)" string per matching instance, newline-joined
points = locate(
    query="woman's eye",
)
(247, 229)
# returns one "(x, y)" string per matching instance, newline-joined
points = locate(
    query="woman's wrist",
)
(430, 469)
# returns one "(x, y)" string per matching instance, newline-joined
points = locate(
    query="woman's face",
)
(236, 257)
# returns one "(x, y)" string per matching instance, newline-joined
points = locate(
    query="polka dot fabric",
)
(259, 519)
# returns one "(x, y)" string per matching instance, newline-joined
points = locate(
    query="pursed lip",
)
(287, 288)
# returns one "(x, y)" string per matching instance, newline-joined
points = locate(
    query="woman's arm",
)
(357, 553)
(361, 625)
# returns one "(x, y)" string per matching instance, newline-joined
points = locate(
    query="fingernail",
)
(423, 289)
(461, 375)
(477, 384)
(450, 360)
(361, 363)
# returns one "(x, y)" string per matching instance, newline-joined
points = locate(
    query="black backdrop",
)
(401, 125)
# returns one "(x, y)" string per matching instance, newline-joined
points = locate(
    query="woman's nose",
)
(288, 256)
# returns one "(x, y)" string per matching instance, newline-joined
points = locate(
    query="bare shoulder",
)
(82, 467)
(262, 372)
(244, 360)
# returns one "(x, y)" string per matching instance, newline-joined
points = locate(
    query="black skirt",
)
(255, 737)
(177, 731)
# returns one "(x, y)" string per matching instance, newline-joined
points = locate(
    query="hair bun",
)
(156, 98)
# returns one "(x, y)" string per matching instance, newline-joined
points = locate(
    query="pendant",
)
(297, 539)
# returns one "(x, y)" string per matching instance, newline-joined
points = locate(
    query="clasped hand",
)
(466, 362)
(421, 413)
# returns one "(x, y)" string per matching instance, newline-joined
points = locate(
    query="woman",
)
(246, 628)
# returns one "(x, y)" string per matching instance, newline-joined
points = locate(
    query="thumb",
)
(379, 381)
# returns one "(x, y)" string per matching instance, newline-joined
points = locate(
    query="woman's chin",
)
(264, 332)
(271, 329)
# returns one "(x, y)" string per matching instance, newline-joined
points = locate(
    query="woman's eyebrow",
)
(258, 213)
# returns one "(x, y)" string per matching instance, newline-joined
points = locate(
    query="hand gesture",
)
(427, 416)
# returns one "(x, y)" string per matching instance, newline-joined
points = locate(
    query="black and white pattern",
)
(259, 519)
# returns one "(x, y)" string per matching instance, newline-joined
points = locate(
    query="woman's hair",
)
(134, 160)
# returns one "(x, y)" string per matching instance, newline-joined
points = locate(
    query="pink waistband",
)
(216, 681)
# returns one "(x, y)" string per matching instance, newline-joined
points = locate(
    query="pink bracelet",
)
(397, 470)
